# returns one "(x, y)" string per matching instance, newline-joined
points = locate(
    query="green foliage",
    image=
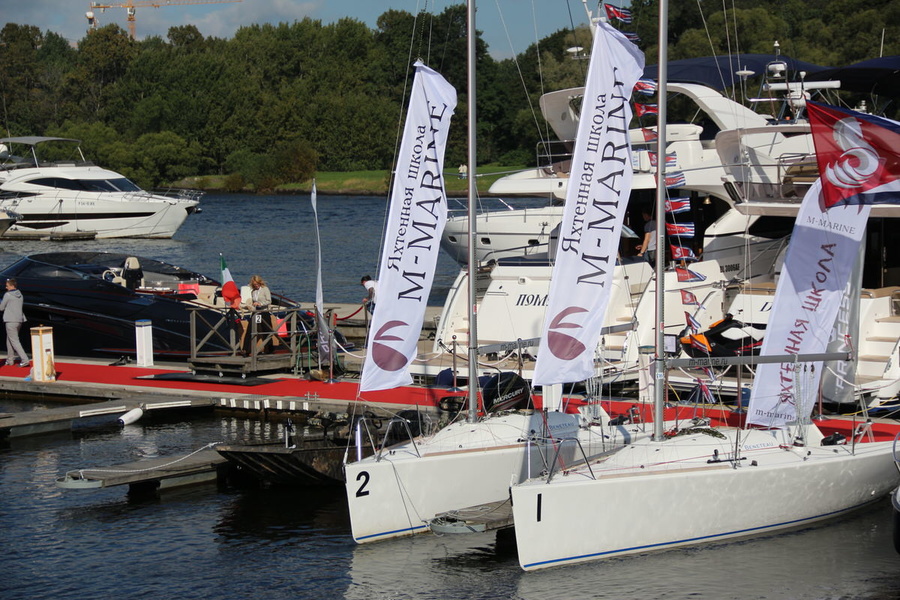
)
(275, 103)
(235, 182)
(294, 161)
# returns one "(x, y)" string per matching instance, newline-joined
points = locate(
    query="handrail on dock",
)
(251, 338)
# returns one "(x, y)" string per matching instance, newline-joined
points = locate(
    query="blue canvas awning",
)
(720, 72)
(876, 76)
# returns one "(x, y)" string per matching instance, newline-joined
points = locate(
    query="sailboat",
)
(398, 490)
(782, 469)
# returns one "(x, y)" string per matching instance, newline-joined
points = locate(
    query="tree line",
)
(274, 103)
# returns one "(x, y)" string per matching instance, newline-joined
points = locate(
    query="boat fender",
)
(453, 404)
(131, 416)
(834, 439)
(620, 420)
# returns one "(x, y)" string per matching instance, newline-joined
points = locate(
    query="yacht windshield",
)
(120, 184)
(110, 185)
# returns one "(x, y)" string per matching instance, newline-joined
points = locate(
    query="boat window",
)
(88, 268)
(58, 182)
(40, 271)
(772, 227)
(124, 185)
(98, 185)
(120, 184)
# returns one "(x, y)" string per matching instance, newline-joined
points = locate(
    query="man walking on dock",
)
(13, 317)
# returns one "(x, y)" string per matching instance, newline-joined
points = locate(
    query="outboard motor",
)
(506, 391)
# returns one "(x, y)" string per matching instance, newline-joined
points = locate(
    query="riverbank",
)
(357, 183)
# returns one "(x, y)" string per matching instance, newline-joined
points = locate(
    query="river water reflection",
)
(229, 543)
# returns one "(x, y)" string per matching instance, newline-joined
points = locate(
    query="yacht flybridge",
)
(690, 151)
(74, 195)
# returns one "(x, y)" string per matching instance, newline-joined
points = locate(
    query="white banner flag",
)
(324, 335)
(859, 163)
(820, 259)
(597, 196)
(418, 213)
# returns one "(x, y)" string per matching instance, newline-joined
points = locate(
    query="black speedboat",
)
(92, 301)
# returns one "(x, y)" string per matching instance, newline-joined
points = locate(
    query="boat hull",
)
(85, 299)
(399, 492)
(690, 500)
(107, 215)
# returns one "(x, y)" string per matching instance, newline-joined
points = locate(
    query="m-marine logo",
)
(386, 357)
(856, 154)
(562, 345)
(858, 162)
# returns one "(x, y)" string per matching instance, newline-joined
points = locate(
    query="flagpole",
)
(472, 266)
(659, 388)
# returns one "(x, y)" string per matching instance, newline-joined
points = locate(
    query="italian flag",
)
(230, 290)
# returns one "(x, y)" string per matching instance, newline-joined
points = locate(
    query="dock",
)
(95, 388)
(474, 519)
(150, 476)
(98, 392)
(67, 418)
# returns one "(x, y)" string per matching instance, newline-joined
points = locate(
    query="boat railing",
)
(461, 208)
(395, 423)
(363, 427)
(894, 450)
(579, 457)
(784, 179)
(254, 339)
(554, 157)
(180, 194)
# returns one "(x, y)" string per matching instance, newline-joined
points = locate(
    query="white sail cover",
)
(596, 199)
(417, 215)
(859, 161)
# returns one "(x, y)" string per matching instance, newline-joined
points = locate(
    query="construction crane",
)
(131, 5)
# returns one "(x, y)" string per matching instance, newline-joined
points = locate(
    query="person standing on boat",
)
(13, 317)
(260, 295)
(259, 301)
(647, 248)
(370, 285)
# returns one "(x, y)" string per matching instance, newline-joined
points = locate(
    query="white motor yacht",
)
(691, 152)
(77, 196)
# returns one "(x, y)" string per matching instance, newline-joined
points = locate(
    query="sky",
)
(508, 26)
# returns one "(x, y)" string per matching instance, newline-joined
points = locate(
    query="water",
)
(273, 236)
(219, 542)
(224, 543)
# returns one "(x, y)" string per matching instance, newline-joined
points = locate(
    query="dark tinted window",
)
(40, 271)
(120, 184)
(59, 183)
(772, 227)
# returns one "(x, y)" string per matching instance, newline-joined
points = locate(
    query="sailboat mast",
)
(472, 266)
(659, 388)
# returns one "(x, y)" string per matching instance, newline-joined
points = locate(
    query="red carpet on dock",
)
(285, 387)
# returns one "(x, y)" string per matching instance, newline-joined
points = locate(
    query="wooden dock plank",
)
(49, 420)
(475, 519)
(166, 472)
